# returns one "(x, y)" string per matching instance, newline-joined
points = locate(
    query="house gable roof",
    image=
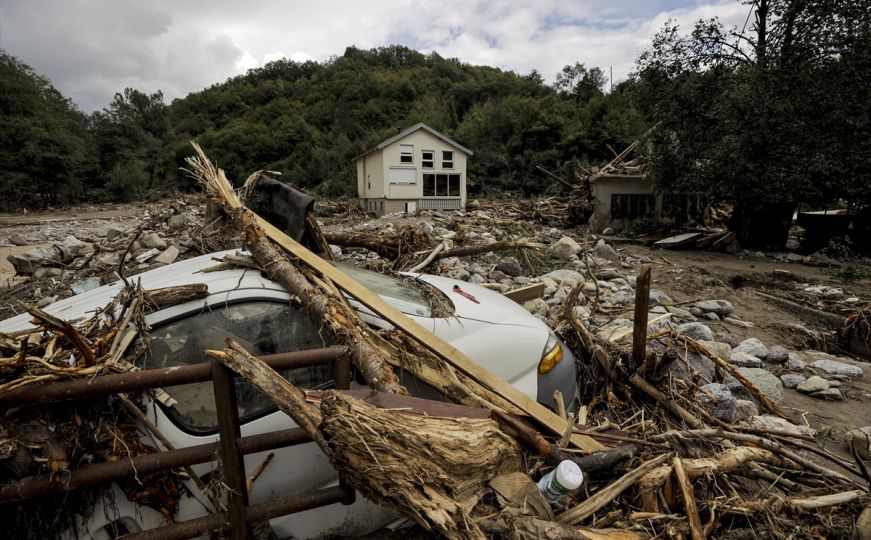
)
(412, 129)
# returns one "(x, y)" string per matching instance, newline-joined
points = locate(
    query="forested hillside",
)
(309, 120)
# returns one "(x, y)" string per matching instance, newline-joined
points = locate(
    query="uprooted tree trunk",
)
(402, 242)
(324, 302)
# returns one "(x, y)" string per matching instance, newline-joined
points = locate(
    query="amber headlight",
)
(553, 353)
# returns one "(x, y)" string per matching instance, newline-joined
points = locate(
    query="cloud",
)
(91, 49)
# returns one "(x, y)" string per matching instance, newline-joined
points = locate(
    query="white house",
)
(418, 168)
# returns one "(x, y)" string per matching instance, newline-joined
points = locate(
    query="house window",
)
(427, 159)
(441, 185)
(406, 153)
(447, 159)
(403, 175)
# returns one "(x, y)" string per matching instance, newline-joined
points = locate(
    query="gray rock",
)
(497, 275)
(582, 312)
(796, 361)
(791, 380)
(681, 313)
(719, 401)
(477, 279)
(696, 330)
(813, 384)
(829, 394)
(604, 251)
(753, 346)
(44, 272)
(607, 231)
(722, 350)
(18, 239)
(861, 438)
(659, 297)
(742, 359)
(536, 306)
(114, 232)
(26, 263)
(827, 364)
(775, 423)
(564, 275)
(711, 317)
(168, 256)
(609, 274)
(658, 310)
(459, 273)
(564, 248)
(509, 266)
(767, 383)
(108, 258)
(720, 307)
(738, 322)
(777, 355)
(178, 221)
(745, 409)
(75, 247)
(152, 240)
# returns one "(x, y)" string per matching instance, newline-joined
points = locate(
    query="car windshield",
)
(411, 299)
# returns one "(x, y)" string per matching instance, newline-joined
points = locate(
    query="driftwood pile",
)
(658, 459)
(56, 439)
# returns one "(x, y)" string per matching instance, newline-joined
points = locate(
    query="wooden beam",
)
(526, 294)
(642, 303)
(427, 339)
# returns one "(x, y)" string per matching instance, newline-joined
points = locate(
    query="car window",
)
(261, 328)
(390, 287)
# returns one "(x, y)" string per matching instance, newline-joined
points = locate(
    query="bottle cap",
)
(569, 475)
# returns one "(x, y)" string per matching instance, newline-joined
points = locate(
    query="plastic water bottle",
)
(564, 479)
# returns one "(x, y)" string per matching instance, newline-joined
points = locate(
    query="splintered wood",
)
(437, 468)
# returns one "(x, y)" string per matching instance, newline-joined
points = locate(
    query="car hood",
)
(477, 303)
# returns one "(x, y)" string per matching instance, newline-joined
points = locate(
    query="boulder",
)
(659, 297)
(827, 364)
(745, 409)
(152, 240)
(564, 276)
(26, 263)
(796, 361)
(791, 380)
(742, 359)
(696, 331)
(861, 438)
(178, 221)
(44, 272)
(74, 248)
(497, 275)
(720, 307)
(722, 350)
(477, 279)
(509, 266)
(753, 346)
(536, 306)
(18, 239)
(829, 394)
(777, 355)
(604, 251)
(680, 313)
(767, 383)
(564, 248)
(813, 384)
(719, 401)
(114, 232)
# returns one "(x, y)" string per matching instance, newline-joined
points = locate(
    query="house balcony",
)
(441, 203)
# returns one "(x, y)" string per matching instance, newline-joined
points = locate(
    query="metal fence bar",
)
(145, 379)
(232, 464)
(257, 512)
(101, 473)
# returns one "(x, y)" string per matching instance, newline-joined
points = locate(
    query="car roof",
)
(184, 272)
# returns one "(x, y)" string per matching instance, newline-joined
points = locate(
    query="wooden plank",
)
(231, 458)
(406, 404)
(639, 327)
(525, 294)
(435, 344)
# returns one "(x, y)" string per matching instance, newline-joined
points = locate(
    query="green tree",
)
(43, 139)
(762, 117)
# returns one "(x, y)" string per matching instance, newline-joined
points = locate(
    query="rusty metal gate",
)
(231, 446)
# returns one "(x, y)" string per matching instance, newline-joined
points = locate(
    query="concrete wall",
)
(606, 186)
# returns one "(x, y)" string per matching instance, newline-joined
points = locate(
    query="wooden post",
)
(231, 459)
(642, 302)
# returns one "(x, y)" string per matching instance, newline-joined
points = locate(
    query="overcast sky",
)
(90, 49)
